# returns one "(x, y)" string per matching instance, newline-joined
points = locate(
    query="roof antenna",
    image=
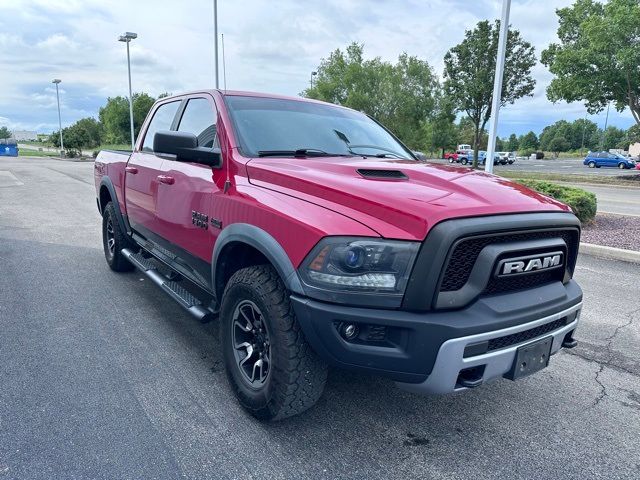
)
(224, 66)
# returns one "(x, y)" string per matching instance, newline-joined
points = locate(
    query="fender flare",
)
(265, 244)
(108, 184)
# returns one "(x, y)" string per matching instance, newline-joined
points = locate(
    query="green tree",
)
(585, 134)
(559, 144)
(597, 58)
(5, 132)
(467, 133)
(528, 143)
(470, 68)
(440, 132)
(560, 129)
(512, 143)
(633, 134)
(114, 116)
(401, 95)
(85, 133)
(614, 137)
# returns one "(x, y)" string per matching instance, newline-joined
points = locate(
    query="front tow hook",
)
(569, 341)
(465, 382)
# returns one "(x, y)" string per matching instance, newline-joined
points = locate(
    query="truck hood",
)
(399, 199)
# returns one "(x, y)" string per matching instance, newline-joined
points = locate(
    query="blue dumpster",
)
(8, 147)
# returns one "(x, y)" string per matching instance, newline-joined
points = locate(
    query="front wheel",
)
(464, 161)
(622, 166)
(271, 368)
(592, 164)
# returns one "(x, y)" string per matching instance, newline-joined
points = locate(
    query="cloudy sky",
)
(270, 46)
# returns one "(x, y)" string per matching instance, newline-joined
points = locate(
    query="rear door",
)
(184, 205)
(610, 159)
(141, 182)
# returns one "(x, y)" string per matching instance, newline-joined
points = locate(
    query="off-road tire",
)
(296, 376)
(111, 230)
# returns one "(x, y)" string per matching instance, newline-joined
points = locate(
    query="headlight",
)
(343, 269)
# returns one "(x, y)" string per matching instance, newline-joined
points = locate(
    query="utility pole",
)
(215, 32)
(126, 38)
(497, 85)
(58, 81)
(606, 121)
(584, 130)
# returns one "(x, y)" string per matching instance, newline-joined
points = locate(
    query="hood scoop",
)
(382, 174)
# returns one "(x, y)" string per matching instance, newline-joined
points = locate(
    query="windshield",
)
(280, 127)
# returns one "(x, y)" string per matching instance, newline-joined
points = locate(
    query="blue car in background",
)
(606, 159)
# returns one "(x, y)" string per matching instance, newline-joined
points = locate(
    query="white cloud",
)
(270, 46)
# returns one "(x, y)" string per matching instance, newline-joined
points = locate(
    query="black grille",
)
(508, 340)
(466, 253)
(392, 174)
(523, 282)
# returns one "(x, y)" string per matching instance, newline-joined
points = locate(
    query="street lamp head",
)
(127, 37)
(56, 81)
(314, 73)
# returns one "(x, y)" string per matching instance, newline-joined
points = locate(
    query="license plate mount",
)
(531, 358)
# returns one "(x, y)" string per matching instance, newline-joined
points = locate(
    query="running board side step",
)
(176, 291)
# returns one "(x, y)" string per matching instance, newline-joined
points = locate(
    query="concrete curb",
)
(610, 252)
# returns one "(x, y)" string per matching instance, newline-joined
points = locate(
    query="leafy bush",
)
(583, 203)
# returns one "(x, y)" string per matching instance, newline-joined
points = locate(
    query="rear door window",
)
(162, 120)
(199, 118)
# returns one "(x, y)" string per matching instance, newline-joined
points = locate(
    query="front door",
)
(142, 170)
(184, 202)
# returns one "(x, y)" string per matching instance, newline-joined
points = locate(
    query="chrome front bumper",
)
(450, 360)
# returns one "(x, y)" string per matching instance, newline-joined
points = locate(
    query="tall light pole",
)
(584, 131)
(313, 74)
(57, 81)
(606, 121)
(215, 32)
(497, 85)
(126, 38)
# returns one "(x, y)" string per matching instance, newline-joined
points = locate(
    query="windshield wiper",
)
(387, 151)
(300, 152)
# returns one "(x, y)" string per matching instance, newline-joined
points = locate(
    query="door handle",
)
(131, 170)
(167, 180)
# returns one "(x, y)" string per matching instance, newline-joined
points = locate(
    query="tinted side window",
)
(162, 120)
(199, 118)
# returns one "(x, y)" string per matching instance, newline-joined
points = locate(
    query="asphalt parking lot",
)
(103, 376)
(567, 166)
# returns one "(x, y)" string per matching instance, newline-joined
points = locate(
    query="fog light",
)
(349, 331)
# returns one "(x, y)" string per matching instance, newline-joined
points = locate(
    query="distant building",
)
(25, 136)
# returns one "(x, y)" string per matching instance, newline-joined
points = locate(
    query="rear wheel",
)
(464, 161)
(451, 160)
(114, 240)
(592, 164)
(271, 368)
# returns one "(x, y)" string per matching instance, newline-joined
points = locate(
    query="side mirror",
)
(185, 148)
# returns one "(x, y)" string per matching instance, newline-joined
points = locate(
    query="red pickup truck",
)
(316, 238)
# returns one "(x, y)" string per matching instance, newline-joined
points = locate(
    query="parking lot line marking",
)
(8, 179)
